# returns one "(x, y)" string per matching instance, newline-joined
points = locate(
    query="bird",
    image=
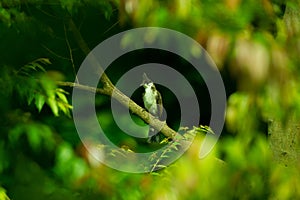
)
(153, 103)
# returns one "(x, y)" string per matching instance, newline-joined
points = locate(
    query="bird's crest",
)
(146, 80)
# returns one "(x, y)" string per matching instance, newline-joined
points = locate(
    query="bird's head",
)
(149, 85)
(146, 81)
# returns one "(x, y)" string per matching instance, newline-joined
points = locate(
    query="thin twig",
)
(83, 87)
(71, 53)
(55, 54)
(111, 27)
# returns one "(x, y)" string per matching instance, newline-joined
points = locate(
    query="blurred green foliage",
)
(256, 47)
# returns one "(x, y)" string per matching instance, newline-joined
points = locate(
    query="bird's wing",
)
(160, 104)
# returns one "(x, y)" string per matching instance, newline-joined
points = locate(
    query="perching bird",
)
(153, 103)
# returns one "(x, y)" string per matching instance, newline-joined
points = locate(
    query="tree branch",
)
(126, 101)
(83, 87)
(110, 90)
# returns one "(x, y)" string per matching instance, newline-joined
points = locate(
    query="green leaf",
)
(68, 164)
(44, 61)
(174, 147)
(5, 16)
(30, 97)
(61, 95)
(39, 101)
(32, 66)
(204, 129)
(34, 137)
(15, 133)
(48, 85)
(160, 166)
(3, 195)
(35, 66)
(38, 135)
(53, 105)
(65, 108)
(155, 174)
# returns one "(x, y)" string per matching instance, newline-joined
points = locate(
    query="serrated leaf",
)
(24, 73)
(207, 129)
(39, 101)
(112, 154)
(62, 91)
(164, 141)
(168, 150)
(44, 61)
(176, 143)
(174, 147)
(61, 106)
(64, 108)
(62, 96)
(164, 156)
(155, 174)
(153, 156)
(35, 65)
(41, 67)
(31, 66)
(53, 105)
(160, 166)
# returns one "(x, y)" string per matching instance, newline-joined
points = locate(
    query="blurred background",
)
(256, 47)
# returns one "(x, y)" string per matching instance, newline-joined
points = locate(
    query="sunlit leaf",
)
(53, 105)
(3, 195)
(39, 101)
(61, 95)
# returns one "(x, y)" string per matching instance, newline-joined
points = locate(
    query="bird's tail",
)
(153, 136)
